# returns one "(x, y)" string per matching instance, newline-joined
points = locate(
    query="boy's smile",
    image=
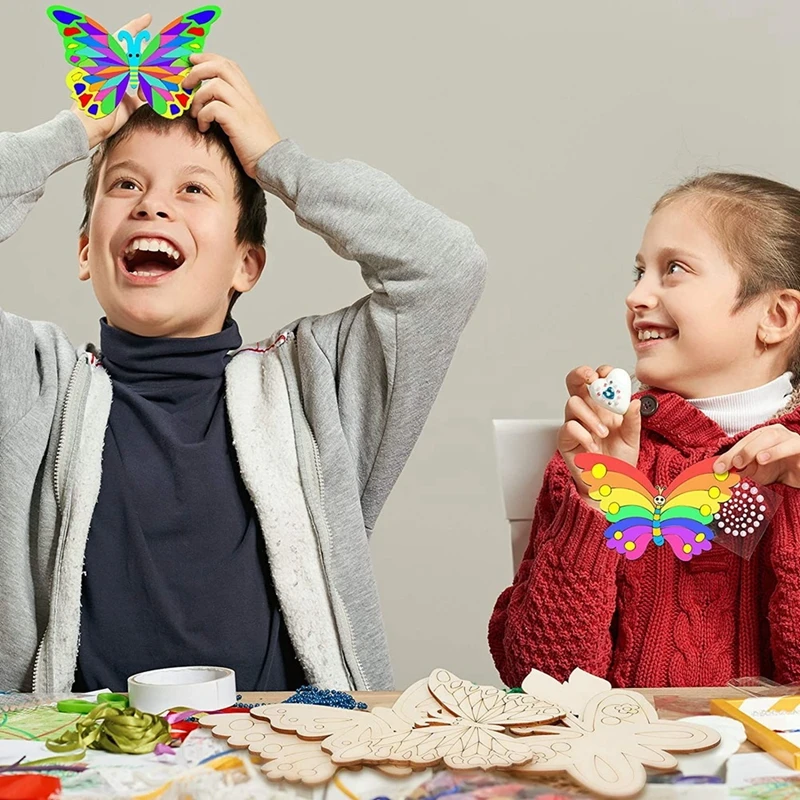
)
(161, 250)
(150, 255)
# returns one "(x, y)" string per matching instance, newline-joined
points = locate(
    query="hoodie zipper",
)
(321, 487)
(66, 418)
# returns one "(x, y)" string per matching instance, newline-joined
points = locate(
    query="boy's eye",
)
(194, 188)
(125, 183)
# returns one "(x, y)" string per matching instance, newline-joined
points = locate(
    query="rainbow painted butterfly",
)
(108, 66)
(679, 515)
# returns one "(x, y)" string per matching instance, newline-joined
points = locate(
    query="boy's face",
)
(161, 250)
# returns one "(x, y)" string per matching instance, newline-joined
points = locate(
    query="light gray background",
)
(549, 128)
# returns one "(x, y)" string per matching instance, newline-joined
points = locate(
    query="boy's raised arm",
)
(29, 158)
(387, 354)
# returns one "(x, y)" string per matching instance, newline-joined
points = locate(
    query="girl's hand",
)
(768, 455)
(588, 428)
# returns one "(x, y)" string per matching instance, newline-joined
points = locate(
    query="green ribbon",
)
(116, 730)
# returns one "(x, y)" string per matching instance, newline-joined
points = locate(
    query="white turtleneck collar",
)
(741, 411)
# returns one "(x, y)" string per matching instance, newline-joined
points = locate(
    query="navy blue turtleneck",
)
(176, 569)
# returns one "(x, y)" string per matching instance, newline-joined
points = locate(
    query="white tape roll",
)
(199, 688)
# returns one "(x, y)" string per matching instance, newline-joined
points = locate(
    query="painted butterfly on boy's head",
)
(107, 66)
(640, 513)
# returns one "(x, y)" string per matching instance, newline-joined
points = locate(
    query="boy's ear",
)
(253, 261)
(83, 257)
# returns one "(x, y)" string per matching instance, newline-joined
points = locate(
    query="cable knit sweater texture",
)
(656, 621)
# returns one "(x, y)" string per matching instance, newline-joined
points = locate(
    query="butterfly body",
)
(639, 513)
(106, 67)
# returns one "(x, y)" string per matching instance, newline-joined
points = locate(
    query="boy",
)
(219, 509)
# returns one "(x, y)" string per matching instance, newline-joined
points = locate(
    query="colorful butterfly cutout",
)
(640, 513)
(108, 66)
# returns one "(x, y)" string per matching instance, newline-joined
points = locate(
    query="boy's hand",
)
(768, 455)
(588, 428)
(227, 98)
(99, 130)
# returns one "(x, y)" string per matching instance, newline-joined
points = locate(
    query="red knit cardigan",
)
(655, 621)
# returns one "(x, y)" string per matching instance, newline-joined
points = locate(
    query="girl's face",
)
(686, 335)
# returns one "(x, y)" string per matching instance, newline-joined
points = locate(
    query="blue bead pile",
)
(311, 695)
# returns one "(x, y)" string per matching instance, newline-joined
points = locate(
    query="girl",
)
(714, 318)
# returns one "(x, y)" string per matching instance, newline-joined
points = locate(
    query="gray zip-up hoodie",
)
(324, 414)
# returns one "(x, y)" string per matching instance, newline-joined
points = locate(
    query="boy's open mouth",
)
(151, 257)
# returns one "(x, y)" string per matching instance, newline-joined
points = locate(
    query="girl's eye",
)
(672, 266)
(637, 274)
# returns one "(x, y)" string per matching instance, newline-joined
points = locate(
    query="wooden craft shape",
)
(471, 736)
(288, 757)
(607, 748)
(573, 695)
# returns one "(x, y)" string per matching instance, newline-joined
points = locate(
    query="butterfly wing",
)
(458, 746)
(317, 722)
(692, 500)
(100, 74)
(165, 62)
(626, 498)
(687, 537)
(490, 706)
(698, 492)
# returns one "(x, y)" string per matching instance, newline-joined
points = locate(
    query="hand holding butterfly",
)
(99, 129)
(226, 97)
(767, 455)
(588, 428)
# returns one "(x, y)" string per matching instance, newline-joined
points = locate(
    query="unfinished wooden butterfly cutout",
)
(608, 746)
(287, 756)
(472, 736)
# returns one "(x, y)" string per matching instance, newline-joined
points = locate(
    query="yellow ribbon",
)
(114, 730)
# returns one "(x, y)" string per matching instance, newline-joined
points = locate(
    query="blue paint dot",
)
(93, 109)
(80, 88)
(65, 17)
(173, 109)
(202, 17)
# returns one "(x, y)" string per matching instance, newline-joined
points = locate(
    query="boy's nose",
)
(150, 207)
(144, 214)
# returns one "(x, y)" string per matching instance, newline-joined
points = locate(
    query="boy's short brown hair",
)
(249, 195)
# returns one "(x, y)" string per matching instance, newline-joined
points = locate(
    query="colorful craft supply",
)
(311, 695)
(105, 67)
(612, 392)
(679, 514)
(29, 787)
(77, 706)
(114, 730)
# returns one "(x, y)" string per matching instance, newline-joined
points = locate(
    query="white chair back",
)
(523, 448)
